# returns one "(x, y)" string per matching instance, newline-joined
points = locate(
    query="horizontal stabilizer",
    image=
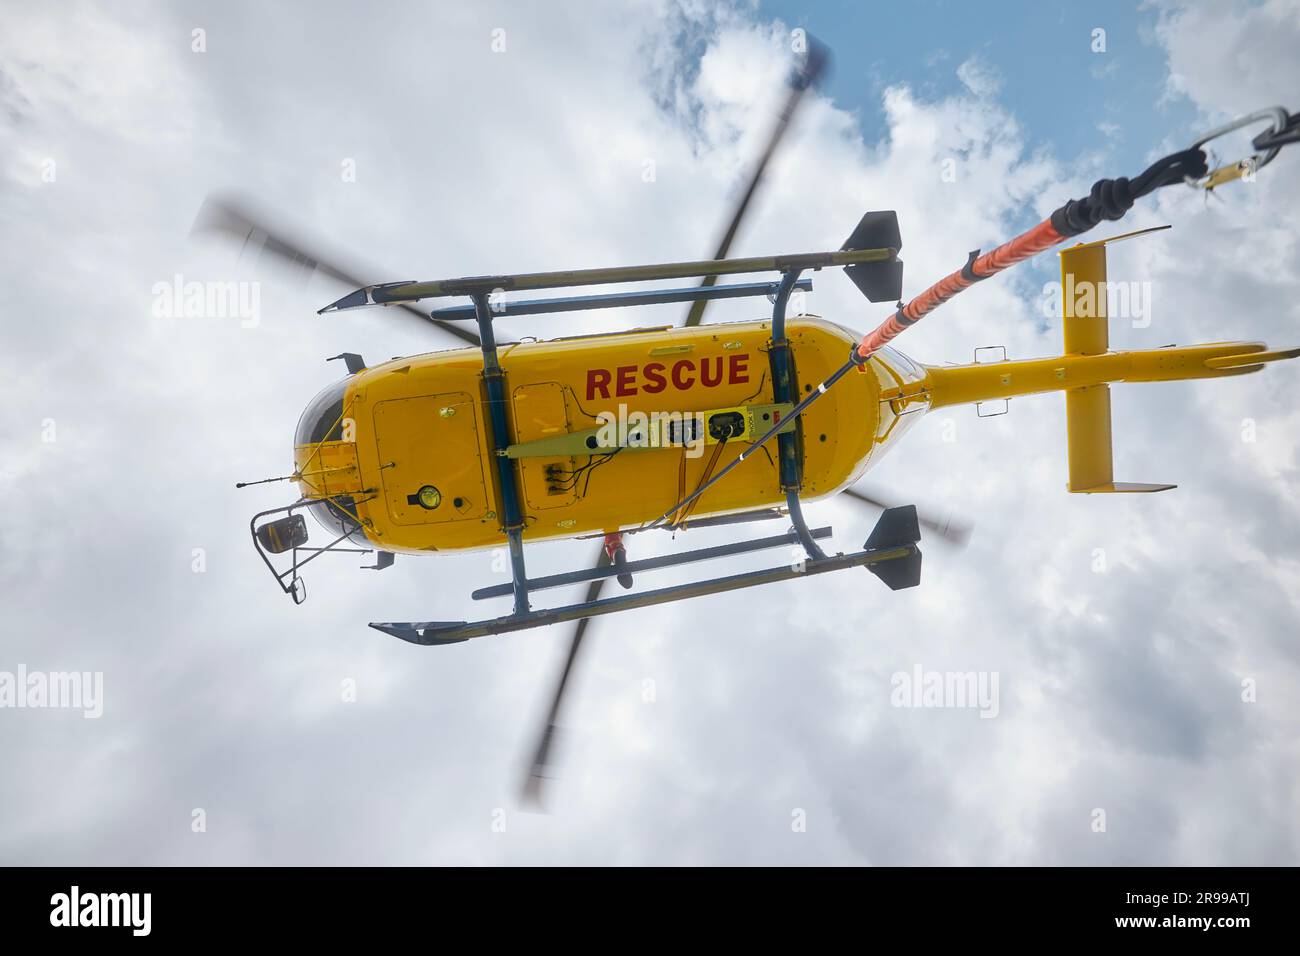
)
(878, 281)
(1247, 359)
(1087, 424)
(1122, 487)
(1083, 294)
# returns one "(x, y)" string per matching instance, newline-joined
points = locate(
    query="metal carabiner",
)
(1232, 171)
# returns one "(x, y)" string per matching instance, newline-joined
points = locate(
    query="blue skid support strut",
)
(785, 389)
(512, 522)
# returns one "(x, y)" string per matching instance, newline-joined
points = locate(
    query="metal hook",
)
(1245, 167)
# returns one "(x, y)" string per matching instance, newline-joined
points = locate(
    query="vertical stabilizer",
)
(1085, 325)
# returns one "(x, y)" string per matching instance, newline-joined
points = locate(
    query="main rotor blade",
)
(541, 761)
(233, 220)
(952, 530)
(805, 75)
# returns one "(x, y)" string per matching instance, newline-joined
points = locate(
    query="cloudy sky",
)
(1124, 631)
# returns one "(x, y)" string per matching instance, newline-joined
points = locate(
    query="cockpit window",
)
(322, 419)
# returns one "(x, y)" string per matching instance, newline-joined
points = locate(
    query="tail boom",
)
(1086, 380)
(989, 381)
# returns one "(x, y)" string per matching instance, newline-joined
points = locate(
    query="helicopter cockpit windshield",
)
(322, 421)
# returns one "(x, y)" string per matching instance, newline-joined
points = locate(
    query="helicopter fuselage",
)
(609, 432)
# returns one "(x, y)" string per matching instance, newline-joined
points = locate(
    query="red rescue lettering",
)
(714, 378)
(597, 378)
(680, 371)
(625, 384)
(655, 377)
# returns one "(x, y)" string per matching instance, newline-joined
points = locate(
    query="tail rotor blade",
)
(542, 759)
(233, 220)
(953, 530)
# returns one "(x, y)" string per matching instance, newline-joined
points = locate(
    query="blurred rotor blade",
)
(233, 220)
(806, 74)
(542, 759)
(952, 530)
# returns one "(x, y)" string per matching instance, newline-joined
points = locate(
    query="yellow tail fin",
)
(1087, 416)
(1084, 368)
(1087, 409)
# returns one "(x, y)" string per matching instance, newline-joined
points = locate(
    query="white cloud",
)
(980, 77)
(1231, 62)
(1120, 690)
(1110, 130)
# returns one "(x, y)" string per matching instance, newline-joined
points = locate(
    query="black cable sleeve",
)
(1110, 199)
(1174, 168)
(968, 270)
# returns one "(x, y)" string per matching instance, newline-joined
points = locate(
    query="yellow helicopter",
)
(610, 434)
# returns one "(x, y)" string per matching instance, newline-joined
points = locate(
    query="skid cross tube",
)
(652, 564)
(616, 300)
(453, 632)
(512, 522)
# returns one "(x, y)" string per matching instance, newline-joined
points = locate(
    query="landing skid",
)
(890, 553)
